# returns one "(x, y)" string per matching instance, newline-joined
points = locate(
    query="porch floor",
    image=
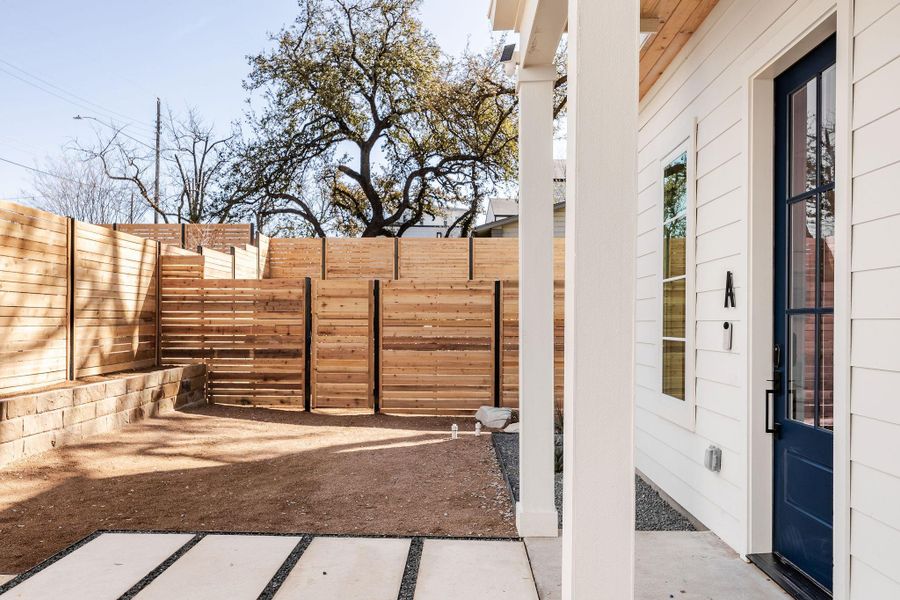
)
(685, 565)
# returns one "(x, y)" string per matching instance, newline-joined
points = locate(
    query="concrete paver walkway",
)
(152, 566)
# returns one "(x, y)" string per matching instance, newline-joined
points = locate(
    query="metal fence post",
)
(70, 290)
(376, 345)
(307, 346)
(498, 341)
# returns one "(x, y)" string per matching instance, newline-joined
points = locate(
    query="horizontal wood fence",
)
(34, 279)
(216, 236)
(75, 299)
(250, 333)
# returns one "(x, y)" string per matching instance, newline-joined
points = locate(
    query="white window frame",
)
(681, 412)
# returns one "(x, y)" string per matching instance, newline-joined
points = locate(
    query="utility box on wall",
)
(713, 459)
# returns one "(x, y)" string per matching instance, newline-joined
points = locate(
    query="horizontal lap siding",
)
(437, 345)
(342, 344)
(250, 334)
(115, 297)
(875, 366)
(33, 297)
(706, 85)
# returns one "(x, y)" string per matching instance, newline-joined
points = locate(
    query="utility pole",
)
(156, 178)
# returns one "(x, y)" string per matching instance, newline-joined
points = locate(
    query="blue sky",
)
(121, 55)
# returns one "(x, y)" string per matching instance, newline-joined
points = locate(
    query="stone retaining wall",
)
(38, 421)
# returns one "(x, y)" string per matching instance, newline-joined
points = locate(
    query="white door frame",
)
(760, 115)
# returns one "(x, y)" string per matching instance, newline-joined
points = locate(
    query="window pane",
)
(802, 368)
(675, 187)
(673, 308)
(826, 372)
(828, 111)
(674, 248)
(802, 250)
(826, 250)
(803, 139)
(673, 369)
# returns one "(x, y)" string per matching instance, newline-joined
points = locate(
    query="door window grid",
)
(810, 377)
(674, 341)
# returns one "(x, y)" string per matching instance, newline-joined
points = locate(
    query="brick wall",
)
(38, 421)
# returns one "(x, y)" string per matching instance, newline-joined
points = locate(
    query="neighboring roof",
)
(482, 229)
(503, 207)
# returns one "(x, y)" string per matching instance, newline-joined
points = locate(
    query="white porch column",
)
(598, 490)
(536, 512)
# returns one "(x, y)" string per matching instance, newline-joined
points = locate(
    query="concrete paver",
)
(105, 567)
(474, 570)
(348, 569)
(241, 564)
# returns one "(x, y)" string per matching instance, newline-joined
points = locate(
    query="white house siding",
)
(511, 230)
(707, 84)
(875, 302)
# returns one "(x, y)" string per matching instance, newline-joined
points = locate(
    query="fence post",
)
(471, 258)
(183, 236)
(158, 304)
(233, 262)
(70, 305)
(323, 257)
(307, 345)
(396, 258)
(376, 344)
(498, 341)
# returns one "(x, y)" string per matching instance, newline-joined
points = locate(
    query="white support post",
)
(598, 490)
(536, 514)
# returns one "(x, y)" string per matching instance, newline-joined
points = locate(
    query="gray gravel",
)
(652, 512)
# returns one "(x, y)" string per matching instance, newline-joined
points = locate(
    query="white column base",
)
(536, 523)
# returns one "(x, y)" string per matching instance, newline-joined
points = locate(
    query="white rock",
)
(493, 417)
(512, 428)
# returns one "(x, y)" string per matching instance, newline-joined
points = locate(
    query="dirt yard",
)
(221, 468)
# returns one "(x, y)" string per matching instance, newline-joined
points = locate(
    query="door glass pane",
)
(674, 248)
(673, 308)
(826, 372)
(675, 187)
(802, 248)
(673, 369)
(802, 368)
(826, 250)
(829, 91)
(803, 139)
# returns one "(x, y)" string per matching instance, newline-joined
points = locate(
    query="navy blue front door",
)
(803, 399)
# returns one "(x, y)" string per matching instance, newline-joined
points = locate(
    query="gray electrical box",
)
(713, 459)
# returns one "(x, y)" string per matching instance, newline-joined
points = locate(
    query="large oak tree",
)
(360, 126)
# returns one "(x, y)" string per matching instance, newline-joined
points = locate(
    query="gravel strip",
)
(652, 512)
(411, 573)
(285, 569)
(149, 577)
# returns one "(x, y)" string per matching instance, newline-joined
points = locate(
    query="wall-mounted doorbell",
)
(727, 335)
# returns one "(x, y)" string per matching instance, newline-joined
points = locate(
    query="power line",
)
(82, 102)
(36, 170)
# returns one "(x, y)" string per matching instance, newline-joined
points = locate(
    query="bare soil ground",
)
(219, 468)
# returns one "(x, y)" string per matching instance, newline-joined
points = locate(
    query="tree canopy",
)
(360, 125)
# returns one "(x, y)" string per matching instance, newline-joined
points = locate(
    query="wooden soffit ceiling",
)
(677, 20)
